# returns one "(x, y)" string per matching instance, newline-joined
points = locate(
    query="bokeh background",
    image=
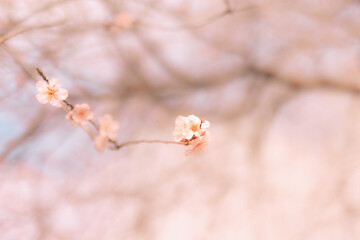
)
(278, 80)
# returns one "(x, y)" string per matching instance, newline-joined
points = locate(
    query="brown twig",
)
(42, 75)
(228, 6)
(118, 146)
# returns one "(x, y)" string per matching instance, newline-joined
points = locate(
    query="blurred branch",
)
(319, 83)
(200, 24)
(39, 10)
(20, 30)
(227, 5)
(29, 70)
(33, 126)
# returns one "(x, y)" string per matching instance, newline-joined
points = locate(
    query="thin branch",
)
(202, 23)
(228, 6)
(29, 70)
(20, 30)
(42, 75)
(118, 146)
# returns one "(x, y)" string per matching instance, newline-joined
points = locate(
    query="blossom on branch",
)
(81, 114)
(107, 131)
(51, 92)
(108, 127)
(101, 142)
(198, 144)
(186, 128)
(192, 130)
(189, 130)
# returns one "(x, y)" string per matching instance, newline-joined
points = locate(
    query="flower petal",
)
(180, 120)
(189, 135)
(82, 107)
(55, 102)
(194, 119)
(205, 124)
(54, 83)
(62, 94)
(42, 98)
(41, 86)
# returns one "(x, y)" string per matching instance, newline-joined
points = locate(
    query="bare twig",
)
(20, 30)
(118, 146)
(202, 23)
(35, 123)
(228, 6)
(29, 70)
(42, 75)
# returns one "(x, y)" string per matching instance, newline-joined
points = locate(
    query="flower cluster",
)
(80, 114)
(189, 130)
(192, 130)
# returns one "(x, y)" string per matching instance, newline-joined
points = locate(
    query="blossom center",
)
(194, 127)
(51, 92)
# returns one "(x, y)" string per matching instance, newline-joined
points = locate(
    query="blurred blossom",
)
(122, 21)
(108, 127)
(101, 142)
(81, 114)
(199, 143)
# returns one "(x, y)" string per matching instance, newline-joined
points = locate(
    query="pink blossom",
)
(123, 21)
(192, 130)
(198, 144)
(204, 124)
(51, 93)
(194, 125)
(108, 127)
(101, 142)
(81, 114)
(181, 129)
(69, 116)
(187, 128)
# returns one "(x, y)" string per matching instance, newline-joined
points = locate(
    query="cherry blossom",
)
(198, 144)
(101, 142)
(192, 130)
(51, 93)
(81, 114)
(194, 126)
(107, 131)
(108, 127)
(123, 21)
(187, 128)
(181, 129)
